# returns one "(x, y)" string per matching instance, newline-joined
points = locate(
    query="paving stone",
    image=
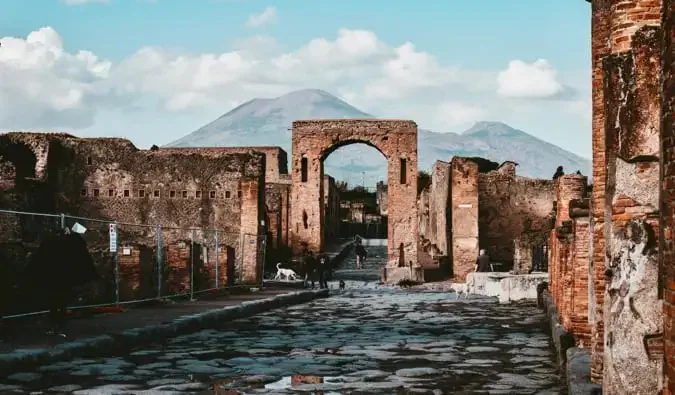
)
(370, 340)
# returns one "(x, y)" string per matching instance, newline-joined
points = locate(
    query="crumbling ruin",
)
(474, 203)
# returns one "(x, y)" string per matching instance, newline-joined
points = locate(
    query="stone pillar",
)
(522, 256)
(632, 111)
(667, 242)
(464, 217)
(251, 216)
(579, 325)
(600, 47)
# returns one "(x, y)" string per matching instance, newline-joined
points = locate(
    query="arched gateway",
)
(314, 140)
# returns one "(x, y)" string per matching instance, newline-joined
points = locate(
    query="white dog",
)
(460, 289)
(289, 274)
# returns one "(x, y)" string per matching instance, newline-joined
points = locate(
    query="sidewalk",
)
(24, 343)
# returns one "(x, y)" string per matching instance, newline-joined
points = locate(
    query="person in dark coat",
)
(322, 270)
(310, 267)
(483, 262)
(360, 255)
(61, 264)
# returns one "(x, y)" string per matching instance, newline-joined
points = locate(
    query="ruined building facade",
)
(473, 204)
(615, 294)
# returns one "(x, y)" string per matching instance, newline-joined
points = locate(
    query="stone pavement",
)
(384, 340)
(25, 343)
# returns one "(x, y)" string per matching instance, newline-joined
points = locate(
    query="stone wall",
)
(108, 178)
(511, 207)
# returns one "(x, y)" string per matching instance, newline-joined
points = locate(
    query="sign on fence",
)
(113, 238)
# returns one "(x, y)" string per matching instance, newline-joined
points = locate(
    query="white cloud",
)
(538, 80)
(43, 86)
(267, 16)
(459, 114)
(80, 2)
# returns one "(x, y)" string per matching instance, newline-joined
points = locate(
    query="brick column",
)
(600, 27)
(464, 200)
(667, 242)
(568, 187)
(579, 325)
(252, 203)
(632, 310)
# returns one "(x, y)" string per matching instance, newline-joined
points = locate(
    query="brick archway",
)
(314, 140)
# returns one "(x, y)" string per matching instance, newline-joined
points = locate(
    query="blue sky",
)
(126, 93)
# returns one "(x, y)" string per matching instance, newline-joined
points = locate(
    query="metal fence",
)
(135, 262)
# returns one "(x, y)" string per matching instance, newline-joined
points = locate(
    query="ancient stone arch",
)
(314, 140)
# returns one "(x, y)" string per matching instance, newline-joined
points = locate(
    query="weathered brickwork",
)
(667, 198)
(624, 309)
(434, 210)
(314, 140)
(632, 309)
(510, 208)
(464, 192)
(579, 211)
(600, 47)
(108, 178)
(667, 240)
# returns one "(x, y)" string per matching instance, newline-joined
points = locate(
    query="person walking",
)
(322, 269)
(60, 265)
(360, 255)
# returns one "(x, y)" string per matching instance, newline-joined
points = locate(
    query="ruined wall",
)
(314, 140)
(512, 207)
(632, 309)
(174, 188)
(464, 199)
(439, 205)
(600, 47)
(667, 239)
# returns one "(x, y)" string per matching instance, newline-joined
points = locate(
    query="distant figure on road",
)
(483, 262)
(323, 269)
(361, 254)
(311, 268)
(61, 264)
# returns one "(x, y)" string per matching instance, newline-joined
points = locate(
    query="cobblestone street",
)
(368, 338)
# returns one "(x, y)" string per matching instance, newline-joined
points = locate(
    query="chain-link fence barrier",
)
(134, 262)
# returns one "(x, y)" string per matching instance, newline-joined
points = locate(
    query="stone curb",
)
(116, 343)
(575, 363)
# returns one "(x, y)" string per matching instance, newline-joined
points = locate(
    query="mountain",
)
(268, 122)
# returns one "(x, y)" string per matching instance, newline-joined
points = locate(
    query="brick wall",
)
(464, 193)
(111, 179)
